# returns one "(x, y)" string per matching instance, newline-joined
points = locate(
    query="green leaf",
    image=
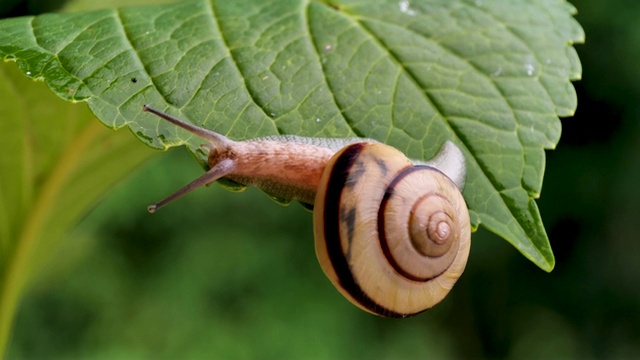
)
(51, 173)
(492, 76)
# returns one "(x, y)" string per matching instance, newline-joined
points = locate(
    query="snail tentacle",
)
(221, 169)
(450, 160)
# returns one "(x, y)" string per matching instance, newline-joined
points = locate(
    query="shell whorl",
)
(391, 236)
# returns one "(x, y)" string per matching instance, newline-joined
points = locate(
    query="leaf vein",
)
(315, 45)
(235, 64)
(136, 57)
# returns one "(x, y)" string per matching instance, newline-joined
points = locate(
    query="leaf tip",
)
(549, 266)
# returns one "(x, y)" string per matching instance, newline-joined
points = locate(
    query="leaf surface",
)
(491, 76)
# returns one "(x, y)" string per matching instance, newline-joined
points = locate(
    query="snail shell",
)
(391, 236)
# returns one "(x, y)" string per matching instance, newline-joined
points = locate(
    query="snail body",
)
(392, 234)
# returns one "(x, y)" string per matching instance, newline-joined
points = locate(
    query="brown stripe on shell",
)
(340, 175)
(384, 243)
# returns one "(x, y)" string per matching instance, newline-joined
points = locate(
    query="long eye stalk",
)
(217, 141)
(221, 169)
(211, 136)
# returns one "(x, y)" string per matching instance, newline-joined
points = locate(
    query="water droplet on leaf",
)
(405, 8)
(530, 69)
(529, 66)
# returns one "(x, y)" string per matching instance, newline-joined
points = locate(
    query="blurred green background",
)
(234, 275)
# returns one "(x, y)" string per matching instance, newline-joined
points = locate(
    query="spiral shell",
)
(393, 237)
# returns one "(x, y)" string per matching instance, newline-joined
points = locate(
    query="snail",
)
(392, 234)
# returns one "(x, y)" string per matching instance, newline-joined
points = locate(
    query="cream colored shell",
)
(364, 216)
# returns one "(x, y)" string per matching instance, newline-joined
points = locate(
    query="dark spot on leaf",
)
(134, 80)
(144, 137)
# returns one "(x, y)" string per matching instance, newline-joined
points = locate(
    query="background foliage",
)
(193, 280)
